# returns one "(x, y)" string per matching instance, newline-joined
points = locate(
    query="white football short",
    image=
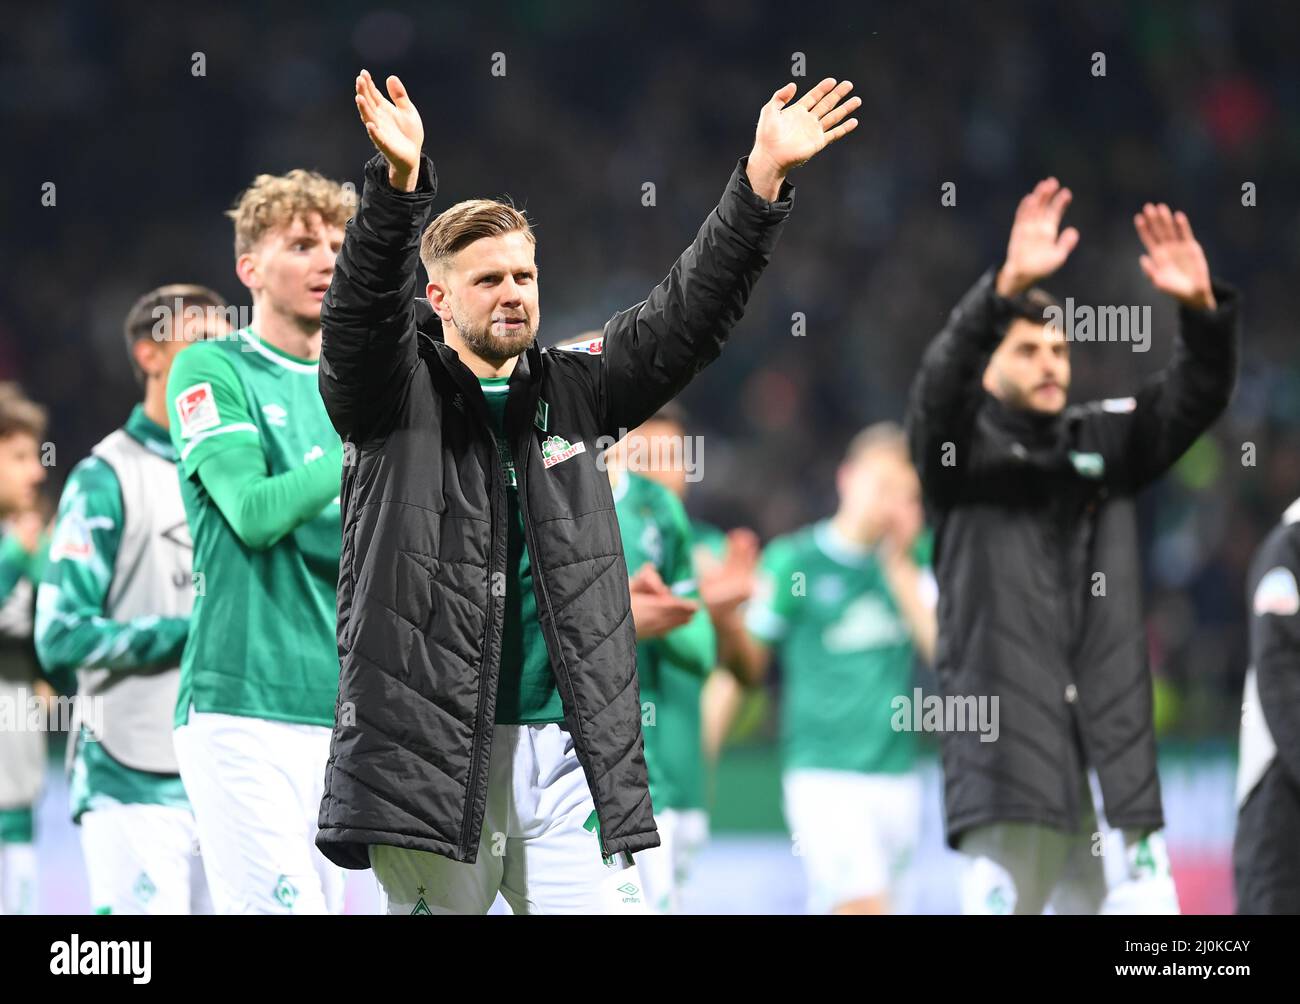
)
(539, 847)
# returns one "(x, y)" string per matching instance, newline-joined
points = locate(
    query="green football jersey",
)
(824, 607)
(262, 637)
(671, 669)
(526, 692)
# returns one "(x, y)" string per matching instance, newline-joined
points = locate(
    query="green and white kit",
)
(261, 468)
(851, 799)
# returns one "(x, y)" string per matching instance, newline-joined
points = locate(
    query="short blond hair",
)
(466, 222)
(882, 436)
(274, 201)
(18, 413)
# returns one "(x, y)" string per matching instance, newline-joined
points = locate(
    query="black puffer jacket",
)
(425, 526)
(1036, 554)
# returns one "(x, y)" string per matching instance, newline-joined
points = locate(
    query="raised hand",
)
(1037, 247)
(791, 134)
(394, 127)
(1174, 261)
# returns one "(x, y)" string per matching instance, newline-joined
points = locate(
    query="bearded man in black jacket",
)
(1036, 554)
(488, 737)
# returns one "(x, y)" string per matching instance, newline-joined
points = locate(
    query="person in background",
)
(23, 544)
(846, 604)
(113, 609)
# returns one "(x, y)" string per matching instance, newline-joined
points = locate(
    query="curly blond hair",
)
(274, 201)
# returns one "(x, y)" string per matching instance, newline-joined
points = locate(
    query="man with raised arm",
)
(1036, 555)
(492, 734)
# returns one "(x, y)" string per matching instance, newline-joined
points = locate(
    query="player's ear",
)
(249, 272)
(148, 355)
(990, 384)
(437, 293)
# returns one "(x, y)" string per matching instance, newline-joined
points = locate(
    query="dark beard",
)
(494, 348)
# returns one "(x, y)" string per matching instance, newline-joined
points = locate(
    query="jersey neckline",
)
(277, 355)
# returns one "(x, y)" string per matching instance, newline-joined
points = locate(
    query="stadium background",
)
(1198, 99)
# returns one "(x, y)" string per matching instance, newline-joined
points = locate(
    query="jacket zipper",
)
(579, 738)
(479, 726)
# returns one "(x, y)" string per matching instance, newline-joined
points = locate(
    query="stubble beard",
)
(494, 348)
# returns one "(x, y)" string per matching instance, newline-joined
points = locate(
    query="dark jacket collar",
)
(1032, 428)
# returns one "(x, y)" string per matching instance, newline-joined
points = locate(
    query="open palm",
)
(789, 135)
(1037, 246)
(393, 126)
(1174, 261)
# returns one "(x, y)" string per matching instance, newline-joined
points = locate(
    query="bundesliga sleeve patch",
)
(72, 540)
(592, 346)
(197, 409)
(1277, 593)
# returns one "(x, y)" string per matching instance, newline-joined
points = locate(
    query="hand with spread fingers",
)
(789, 135)
(1037, 246)
(1174, 261)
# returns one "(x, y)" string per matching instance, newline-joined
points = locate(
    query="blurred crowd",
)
(149, 128)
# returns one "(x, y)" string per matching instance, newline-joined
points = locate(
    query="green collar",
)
(149, 434)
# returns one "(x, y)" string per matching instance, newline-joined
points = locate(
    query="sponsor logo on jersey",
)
(592, 346)
(1277, 593)
(866, 623)
(197, 408)
(557, 449)
(275, 414)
